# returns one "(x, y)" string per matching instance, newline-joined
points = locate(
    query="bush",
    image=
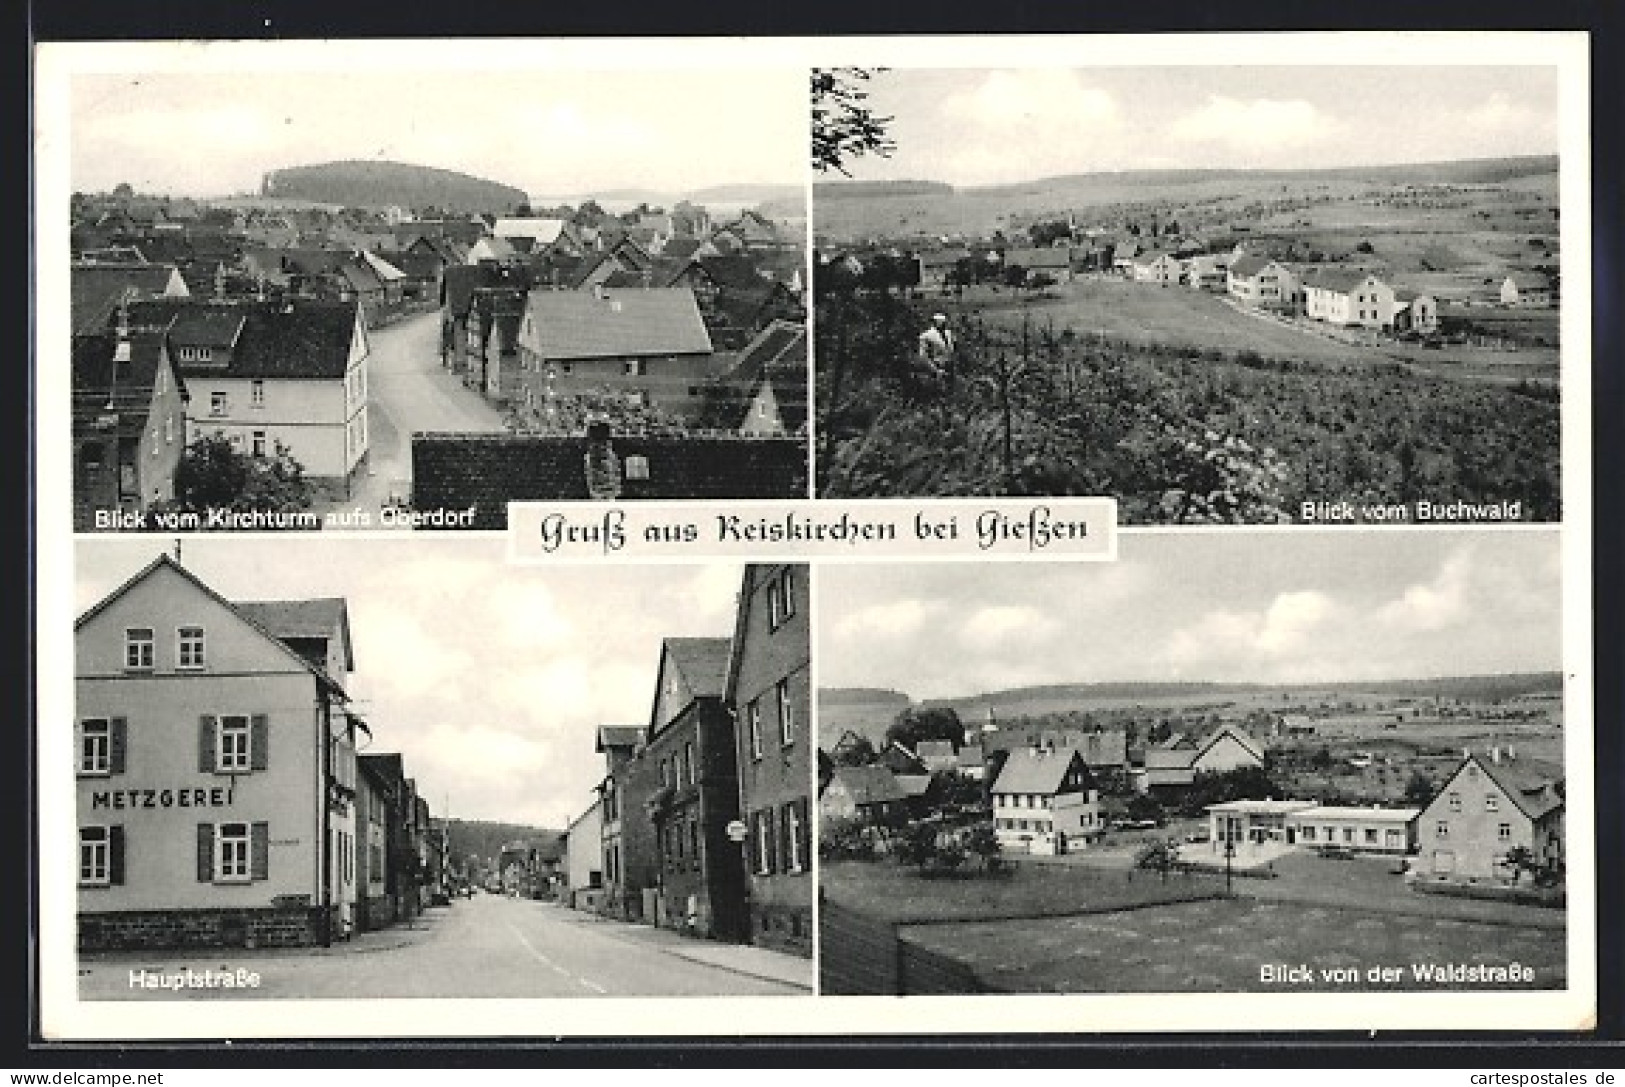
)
(846, 839)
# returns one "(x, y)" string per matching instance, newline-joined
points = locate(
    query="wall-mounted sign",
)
(218, 796)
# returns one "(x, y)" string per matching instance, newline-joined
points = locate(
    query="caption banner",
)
(884, 530)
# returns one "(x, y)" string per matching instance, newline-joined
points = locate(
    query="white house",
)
(1261, 282)
(1046, 797)
(1342, 297)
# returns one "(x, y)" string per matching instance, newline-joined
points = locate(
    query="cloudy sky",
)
(490, 679)
(554, 132)
(1222, 606)
(979, 127)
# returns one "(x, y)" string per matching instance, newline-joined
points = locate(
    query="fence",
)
(861, 955)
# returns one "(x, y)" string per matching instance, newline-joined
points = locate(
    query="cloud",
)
(1256, 125)
(1016, 125)
(419, 661)
(897, 619)
(1001, 629)
(1288, 631)
(1500, 116)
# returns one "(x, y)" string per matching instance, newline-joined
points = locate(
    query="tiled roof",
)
(777, 356)
(488, 471)
(100, 388)
(732, 271)
(544, 231)
(1341, 280)
(1029, 771)
(322, 617)
(95, 290)
(297, 338)
(1531, 783)
(1249, 266)
(679, 248)
(934, 749)
(458, 286)
(703, 663)
(624, 323)
(868, 784)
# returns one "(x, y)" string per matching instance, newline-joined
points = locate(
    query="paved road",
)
(486, 946)
(410, 391)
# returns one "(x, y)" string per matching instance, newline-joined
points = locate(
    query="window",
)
(101, 856)
(169, 429)
(1371, 836)
(258, 445)
(764, 842)
(781, 601)
(231, 853)
(1455, 801)
(1492, 802)
(637, 467)
(189, 647)
(688, 759)
(197, 354)
(234, 752)
(694, 839)
(787, 714)
(665, 773)
(256, 394)
(1441, 829)
(96, 746)
(753, 716)
(138, 648)
(792, 836)
(1504, 832)
(219, 403)
(634, 367)
(1307, 834)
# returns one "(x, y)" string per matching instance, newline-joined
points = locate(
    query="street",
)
(486, 946)
(409, 391)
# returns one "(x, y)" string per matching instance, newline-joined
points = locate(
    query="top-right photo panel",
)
(1227, 294)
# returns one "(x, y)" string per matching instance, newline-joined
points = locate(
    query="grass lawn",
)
(886, 890)
(1221, 945)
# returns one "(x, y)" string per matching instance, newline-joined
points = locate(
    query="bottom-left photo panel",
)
(403, 767)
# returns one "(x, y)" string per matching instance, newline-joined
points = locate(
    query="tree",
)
(1521, 859)
(1159, 856)
(1419, 789)
(912, 725)
(844, 126)
(859, 752)
(955, 792)
(213, 474)
(982, 843)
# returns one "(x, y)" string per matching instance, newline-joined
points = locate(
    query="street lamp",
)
(1229, 853)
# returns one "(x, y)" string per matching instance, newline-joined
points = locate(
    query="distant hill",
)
(380, 184)
(746, 193)
(849, 696)
(864, 710)
(486, 839)
(1461, 172)
(849, 190)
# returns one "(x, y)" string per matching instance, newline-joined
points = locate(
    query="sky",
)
(490, 679)
(1222, 606)
(546, 132)
(981, 127)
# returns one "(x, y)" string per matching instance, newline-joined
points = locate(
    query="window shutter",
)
(259, 742)
(805, 829)
(786, 854)
(772, 836)
(115, 856)
(205, 852)
(259, 851)
(205, 745)
(117, 744)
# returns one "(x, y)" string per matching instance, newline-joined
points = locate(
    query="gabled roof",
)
(569, 325)
(777, 357)
(1249, 266)
(1341, 280)
(873, 784)
(1041, 772)
(1531, 783)
(297, 338)
(702, 662)
(487, 471)
(1239, 735)
(323, 617)
(934, 749)
(732, 271)
(164, 561)
(540, 231)
(680, 248)
(102, 386)
(95, 290)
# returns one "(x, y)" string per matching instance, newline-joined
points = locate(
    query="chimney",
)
(603, 467)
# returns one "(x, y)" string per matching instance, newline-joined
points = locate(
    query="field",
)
(1221, 946)
(886, 890)
(1114, 310)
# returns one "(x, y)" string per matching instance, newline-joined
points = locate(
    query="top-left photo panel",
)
(363, 287)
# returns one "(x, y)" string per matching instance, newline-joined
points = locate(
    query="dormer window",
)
(197, 354)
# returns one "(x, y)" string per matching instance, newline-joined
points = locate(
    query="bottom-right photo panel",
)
(1226, 762)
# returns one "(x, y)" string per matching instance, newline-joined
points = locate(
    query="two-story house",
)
(215, 757)
(630, 865)
(769, 688)
(691, 745)
(1492, 804)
